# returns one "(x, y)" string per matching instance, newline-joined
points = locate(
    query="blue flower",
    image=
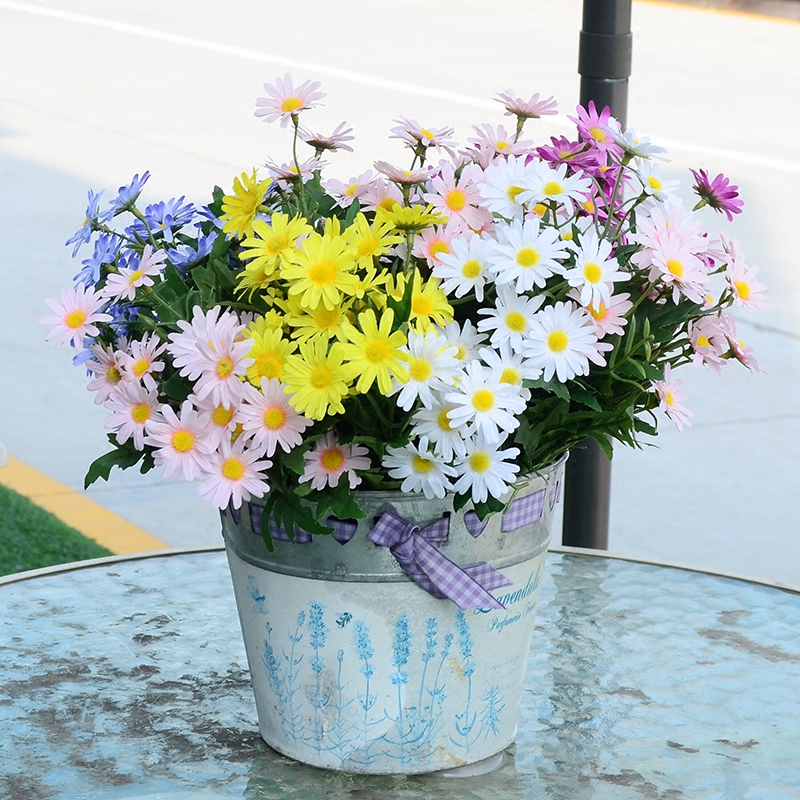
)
(164, 218)
(363, 647)
(106, 249)
(184, 255)
(402, 643)
(430, 639)
(127, 195)
(94, 219)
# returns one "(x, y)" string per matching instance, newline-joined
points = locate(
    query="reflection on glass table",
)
(128, 679)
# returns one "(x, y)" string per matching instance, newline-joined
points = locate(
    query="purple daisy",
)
(720, 194)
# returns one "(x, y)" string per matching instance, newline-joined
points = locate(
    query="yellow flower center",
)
(528, 257)
(443, 420)
(592, 272)
(321, 377)
(75, 319)
(269, 365)
(654, 182)
(419, 369)
(233, 469)
(455, 200)
(426, 133)
(222, 416)
(598, 313)
(377, 351)
(276, 244)
(113, 375)
(557, 341)
(134, 276)
(422, 306)
(182, 441)
(483, 400)
(598, 134)
(140, 366)
(515, 322)
(510, 375)
(388, 203)
(669, 398)
(437, 248)
(367, 246)
(322, 273)
(540, 209)
(471, 269)
(291, 104)
(501, 145)
(742, 289)
(224, 368)
(675, 267)
(588, 205)
(552, 188)
(140, 413)
(350, 191)
(332, 459)
(513, 192)
(479, 462)
(421, 465)
(702, 341)
(274, 418)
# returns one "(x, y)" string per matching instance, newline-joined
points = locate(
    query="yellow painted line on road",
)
(730, 12)
(77, 510)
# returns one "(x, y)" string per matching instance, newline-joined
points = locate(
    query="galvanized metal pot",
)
(356, 668)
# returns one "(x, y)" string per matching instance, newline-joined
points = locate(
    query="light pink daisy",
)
(608, 318)
(433, 243)
(533, 108)
(676, 266)
(345, 193)
(182, 445)
(286, 174)
(140, 360)
(122, 285)
(105, 366)
(709, 342)
(269, 420)
(234, 474)
(76, 315)
(132, 408)
(221, 420)
(334, 141)
(380, 194)
(285, 102)
(458, 198)
(669, 395)
(746, 290)
(739, 350)
(490, 143)
(402, 176)
(415, 136)
(328, 460)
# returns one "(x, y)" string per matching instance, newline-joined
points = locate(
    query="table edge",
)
(585, 552)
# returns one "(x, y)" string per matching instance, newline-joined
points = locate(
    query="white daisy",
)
(485, 404)
(435, 424)
(527, 254)
(419, 469)
(563, 341)
(465, 268)
(466, 339)
(544, 183)
(510, 367)
(595, 272)
(510, 319)
(502, 186)
(484, 469)
(431, 365)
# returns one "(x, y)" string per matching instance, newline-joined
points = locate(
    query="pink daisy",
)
(709, 342)
(458, 198)
(76, 315)
(345, 193)
(105, 366)
(493, 142)
(415, 136)
(181, 443)
(746, 290)
(669, 393)
(334, 141)
(380, 194)
(132, 407)
(285, 102)
(221, 420)
(432, 243)
(720, 194)
(532, 108)
(402, 176)
(234, 474)
(328, 460)
(122, 285)
(269, 420)
(139, 361)
(608, 318)
(596, 128)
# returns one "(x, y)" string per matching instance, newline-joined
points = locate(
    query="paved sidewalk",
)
(91, 93)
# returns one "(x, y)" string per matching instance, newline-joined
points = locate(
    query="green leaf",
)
(352, 212)
(459, 501)
(642, 426)
(554, 387)
(177, 387)
(266, 535)
(122, 456)
(402, 309)
(491, 506)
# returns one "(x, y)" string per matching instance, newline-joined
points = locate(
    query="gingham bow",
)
(428, 567)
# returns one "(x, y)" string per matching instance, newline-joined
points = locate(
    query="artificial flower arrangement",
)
(447, 326)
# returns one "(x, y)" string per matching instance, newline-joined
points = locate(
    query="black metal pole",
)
(604, 64)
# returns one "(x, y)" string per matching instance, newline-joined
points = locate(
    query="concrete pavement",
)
(91, 93)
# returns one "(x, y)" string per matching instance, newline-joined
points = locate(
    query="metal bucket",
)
(356, 668)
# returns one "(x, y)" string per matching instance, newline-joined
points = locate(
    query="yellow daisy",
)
(370, 241)
(429, 304)
(410, 219)
(320, 321)
(373, 353)
(316, 379)
(321, 272)
(269, 352)
(240, 208)
(266, 246)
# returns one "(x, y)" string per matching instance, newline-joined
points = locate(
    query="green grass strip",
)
(31, 538)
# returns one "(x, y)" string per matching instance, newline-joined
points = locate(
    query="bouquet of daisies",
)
(451, 325)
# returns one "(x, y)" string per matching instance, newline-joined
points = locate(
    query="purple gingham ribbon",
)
(428, 567)
(523, 511)
(474, 524)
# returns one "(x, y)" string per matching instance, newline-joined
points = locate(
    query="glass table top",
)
(129, 680)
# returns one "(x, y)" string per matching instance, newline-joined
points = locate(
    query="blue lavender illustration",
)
(364, 651)
(294, 721)
(343, 731)
(490, 715)
(465, 722)
(318, 699)
(274, 677)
